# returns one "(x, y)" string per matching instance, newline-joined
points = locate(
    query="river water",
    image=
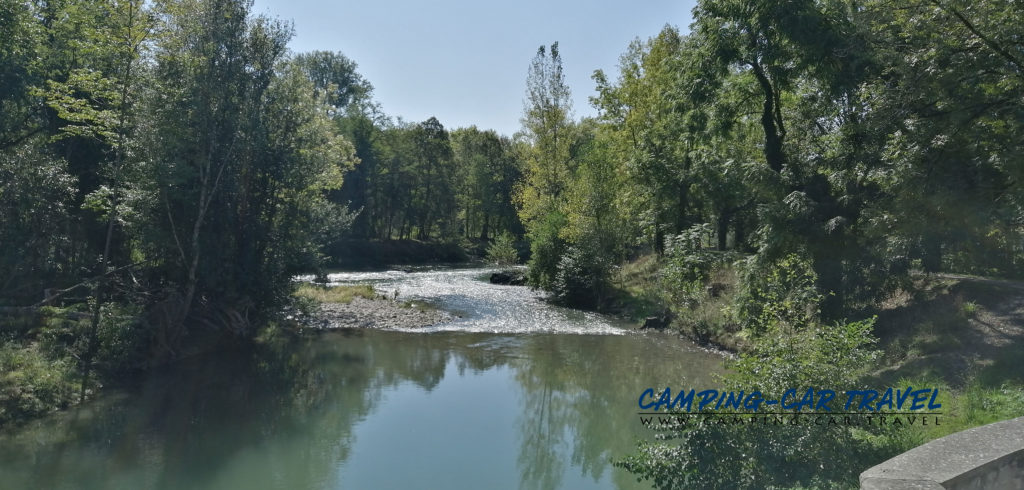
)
(514, 394)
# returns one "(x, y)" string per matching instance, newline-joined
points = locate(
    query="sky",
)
(465, 62)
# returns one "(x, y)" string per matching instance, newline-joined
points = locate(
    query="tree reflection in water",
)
(289, 415)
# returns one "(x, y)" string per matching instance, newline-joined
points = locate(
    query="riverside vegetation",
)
(795, 181)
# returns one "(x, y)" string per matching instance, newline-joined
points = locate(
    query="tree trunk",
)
(723, 228)
(486, 229)
(98, 291)
(771, 121)
(739, 243)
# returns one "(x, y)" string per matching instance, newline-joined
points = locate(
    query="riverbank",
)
(961, 334)
(942, 326)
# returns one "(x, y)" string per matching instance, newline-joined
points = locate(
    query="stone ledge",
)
(986, 457)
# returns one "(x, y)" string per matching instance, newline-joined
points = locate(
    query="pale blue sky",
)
(465, 62)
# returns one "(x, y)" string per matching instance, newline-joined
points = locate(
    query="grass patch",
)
(935, 335)
(635, 294)
(973, 406)
(335, 294)
(1004, 367)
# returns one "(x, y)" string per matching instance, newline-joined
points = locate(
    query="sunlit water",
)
(516, 394)
(484, 307)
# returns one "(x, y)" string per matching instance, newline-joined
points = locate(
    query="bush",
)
(32, 384)
(778, 293)
(123, 340)
(689, 266)
(752, 456)
(581, 279)
(122, 337)
(503, 250)
(817, 355)
(546, 250)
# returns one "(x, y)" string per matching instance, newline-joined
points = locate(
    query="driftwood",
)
(49, 295)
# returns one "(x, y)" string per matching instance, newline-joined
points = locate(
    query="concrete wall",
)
(987, 457)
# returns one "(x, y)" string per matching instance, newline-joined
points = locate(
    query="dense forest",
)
(167, 168)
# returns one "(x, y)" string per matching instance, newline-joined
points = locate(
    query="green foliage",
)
(780, 294)
(247, 154)
(334, 75)
(548, 165)
(970, 406)
(486, 172)
(122, 337)
(582, 276)
(171, 156)
(546, 250)
(434, 168)
(689, 265)
(817, 355)
(418, 181)
(19, 47)
(569, 199)
(36, 193)
(503, 250)
(33, 384)
(753, 456)
(124, 340)
(177, 156)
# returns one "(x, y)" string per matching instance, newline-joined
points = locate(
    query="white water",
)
(483, 307)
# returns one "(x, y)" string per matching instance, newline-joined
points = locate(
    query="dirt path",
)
(957, 328)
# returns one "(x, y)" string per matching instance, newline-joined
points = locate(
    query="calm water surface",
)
(515, 394)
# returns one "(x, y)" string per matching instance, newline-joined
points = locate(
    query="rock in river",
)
(510, 278)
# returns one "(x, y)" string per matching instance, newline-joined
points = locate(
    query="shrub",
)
(689, 266)
(749, 455)
(503, 250)
(778, 293)
(32, 384)
(581, 279)
(817, 355)
(546, 250)
(123, 340)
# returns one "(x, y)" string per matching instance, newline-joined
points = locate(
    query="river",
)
(516, 393)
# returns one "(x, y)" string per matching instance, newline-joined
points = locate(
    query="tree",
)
(596, 223)
(19, 46)
(809, 50)
(434, 198)
(335, 76)
(106, 113)
(36, 200)
(945, 123)
(642, 112)
(548, 161)
(244, 156)
(487, 171)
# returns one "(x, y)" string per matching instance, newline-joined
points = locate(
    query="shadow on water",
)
(367, 409)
